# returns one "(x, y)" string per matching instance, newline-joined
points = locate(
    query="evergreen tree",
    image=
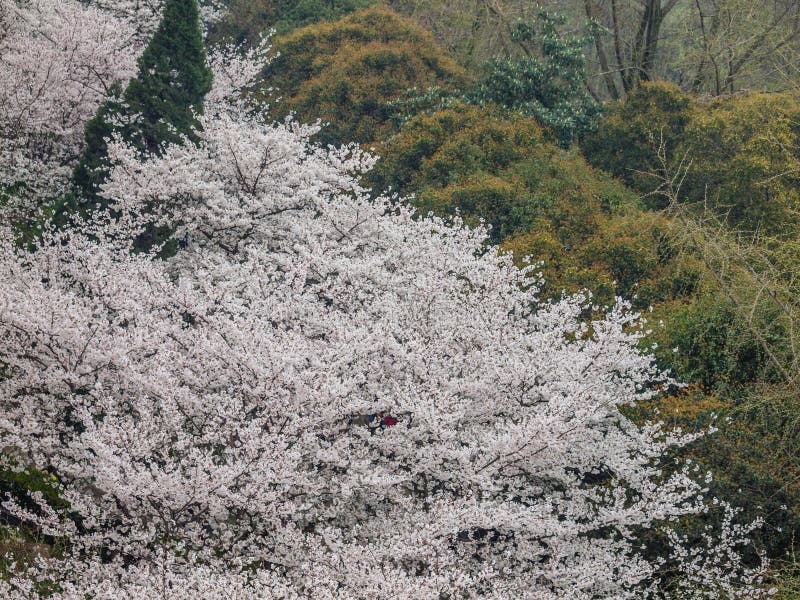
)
(157, 108)
(547, 83)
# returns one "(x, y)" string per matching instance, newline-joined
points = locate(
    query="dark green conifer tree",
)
(157, 108)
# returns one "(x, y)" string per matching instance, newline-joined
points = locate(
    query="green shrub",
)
(739, 152)
(744, 161)
(627, 138)
(753, 466)
(348, 72)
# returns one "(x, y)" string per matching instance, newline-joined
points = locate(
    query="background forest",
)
(643, 149)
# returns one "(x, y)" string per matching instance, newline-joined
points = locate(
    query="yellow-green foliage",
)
(787, 574)
(540, 200)
(628, 136)
(754, 466)
(346, 72)
(744, 159)
(741, 169)
(741, 151)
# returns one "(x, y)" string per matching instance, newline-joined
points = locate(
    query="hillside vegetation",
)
(392, 307)
(345, 73)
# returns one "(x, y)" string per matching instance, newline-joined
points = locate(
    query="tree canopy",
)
(345, 73)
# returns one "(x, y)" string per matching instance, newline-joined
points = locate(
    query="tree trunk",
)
(608, 76)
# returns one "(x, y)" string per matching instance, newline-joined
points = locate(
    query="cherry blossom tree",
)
(59, 60)
(323, 396)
